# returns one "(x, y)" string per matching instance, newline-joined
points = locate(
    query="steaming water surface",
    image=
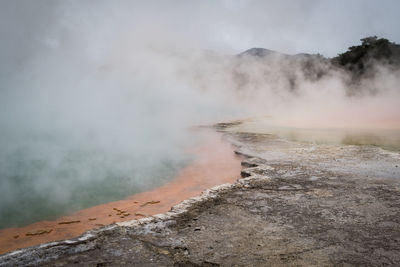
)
(387, 138)
(47, 176)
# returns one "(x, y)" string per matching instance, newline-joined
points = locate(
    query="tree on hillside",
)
(362, 58)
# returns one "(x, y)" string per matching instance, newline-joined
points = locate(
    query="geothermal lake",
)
(386, 138)
(43, 177)
(209, 161)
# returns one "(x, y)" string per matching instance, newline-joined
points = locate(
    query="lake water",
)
(385, 138)
(43, 177)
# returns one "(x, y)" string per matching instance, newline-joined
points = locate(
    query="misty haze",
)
(114, 111)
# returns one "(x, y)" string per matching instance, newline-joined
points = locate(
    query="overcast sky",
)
(323, 26)
(311, 26)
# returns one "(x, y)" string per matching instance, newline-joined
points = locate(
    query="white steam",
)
(95, 93)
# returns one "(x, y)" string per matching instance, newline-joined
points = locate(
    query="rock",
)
(38, 232)
(69, 222)
(150, 203)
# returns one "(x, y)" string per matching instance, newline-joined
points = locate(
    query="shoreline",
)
(215, 164)
(296, 204)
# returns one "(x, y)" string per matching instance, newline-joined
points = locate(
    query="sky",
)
(310, 26)
(326, 27)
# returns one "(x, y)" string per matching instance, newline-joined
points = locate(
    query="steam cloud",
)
(90, 91)
(281, 88)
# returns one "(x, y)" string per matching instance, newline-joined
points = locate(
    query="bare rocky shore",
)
(296, 204)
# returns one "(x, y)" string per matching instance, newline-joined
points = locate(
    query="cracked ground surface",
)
(297, 204)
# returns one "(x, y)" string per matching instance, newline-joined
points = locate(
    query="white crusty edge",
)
(175, 211)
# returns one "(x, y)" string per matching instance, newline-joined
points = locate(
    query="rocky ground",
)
(296, 204)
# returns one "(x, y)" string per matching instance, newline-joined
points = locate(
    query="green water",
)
(45, 177)
(385, 138)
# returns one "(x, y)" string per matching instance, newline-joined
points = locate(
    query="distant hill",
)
(271, 63)
(258, 52)
(361, 59)
(358, 59)
(358, 62)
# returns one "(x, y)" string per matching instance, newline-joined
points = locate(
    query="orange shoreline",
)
(215, 164)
